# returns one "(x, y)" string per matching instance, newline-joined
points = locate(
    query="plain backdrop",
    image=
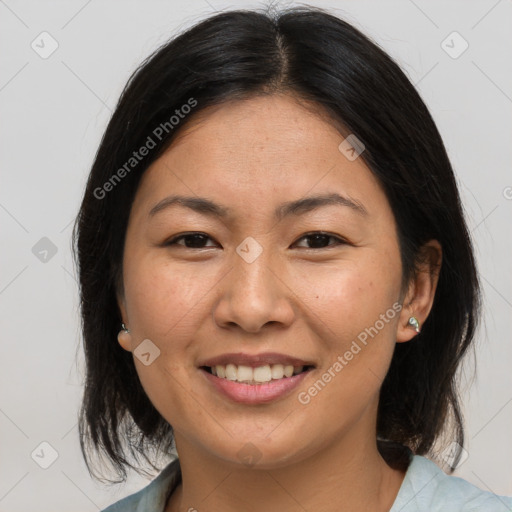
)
(53, 113)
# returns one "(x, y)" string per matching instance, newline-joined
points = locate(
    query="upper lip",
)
(255, 360)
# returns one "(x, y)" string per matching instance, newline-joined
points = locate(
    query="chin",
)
(264, 454)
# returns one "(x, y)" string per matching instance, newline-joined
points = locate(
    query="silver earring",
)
(125, 329)
(413, 322)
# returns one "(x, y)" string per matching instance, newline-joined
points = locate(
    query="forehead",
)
(267, 148)
(273, 121)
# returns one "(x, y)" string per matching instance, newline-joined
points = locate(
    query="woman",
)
(276, 277)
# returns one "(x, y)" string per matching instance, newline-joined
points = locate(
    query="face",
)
(258, 282)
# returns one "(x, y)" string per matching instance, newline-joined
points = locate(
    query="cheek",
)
(351, 295)
(160, 300)
(160, 296)
(165, 301)
(357, 311)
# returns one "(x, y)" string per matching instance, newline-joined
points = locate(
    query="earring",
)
(413, 322)
(124, 337)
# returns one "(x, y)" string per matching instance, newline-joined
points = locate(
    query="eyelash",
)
(174, 240)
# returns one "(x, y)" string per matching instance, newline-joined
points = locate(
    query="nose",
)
(253, 295)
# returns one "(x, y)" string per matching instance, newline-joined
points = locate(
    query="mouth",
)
(258, 375)
(255, 378)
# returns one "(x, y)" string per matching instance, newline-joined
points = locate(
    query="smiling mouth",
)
(257, 375)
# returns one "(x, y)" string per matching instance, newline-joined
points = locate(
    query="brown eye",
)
(196, 240)
(191, 240)
(320, 240)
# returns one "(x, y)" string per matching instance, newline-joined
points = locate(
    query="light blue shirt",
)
(426, 488)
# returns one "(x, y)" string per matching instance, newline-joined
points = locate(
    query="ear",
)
(124, 338)
(121, 303)
(419, 298)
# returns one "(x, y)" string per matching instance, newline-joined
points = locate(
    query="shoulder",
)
(153, 497)
(427, 488)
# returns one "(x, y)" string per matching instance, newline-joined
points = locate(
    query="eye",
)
(192, 240)
(319, 239)
(197, 240)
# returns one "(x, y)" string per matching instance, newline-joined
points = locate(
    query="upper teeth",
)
(264, 373)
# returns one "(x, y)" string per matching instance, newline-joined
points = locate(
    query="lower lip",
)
(255, 393)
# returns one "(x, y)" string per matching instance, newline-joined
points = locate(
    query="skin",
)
(309, 301)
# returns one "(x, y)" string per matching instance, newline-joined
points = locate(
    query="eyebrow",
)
(207, 207)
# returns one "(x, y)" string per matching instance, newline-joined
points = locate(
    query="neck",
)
(347, 476)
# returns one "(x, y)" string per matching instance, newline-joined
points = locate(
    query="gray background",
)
(53, 113)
